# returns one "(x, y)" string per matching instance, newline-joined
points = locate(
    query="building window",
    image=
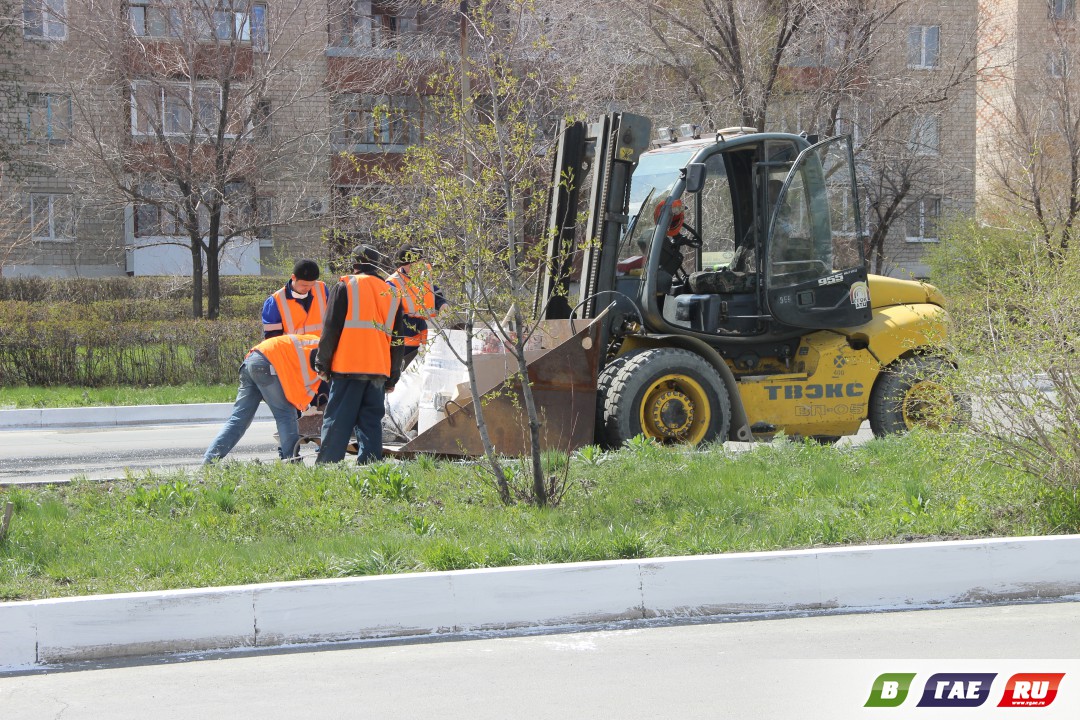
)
(376, 120)
(179, 109)
(366, 24)
(260, 40)
(1062, 9)
(260, 120)
(1057, 64)
(52, 217)
(923, 217)
(924, 138)
(923, 46)
(225, 22)
(48, 117)
(264, 221)
(44, 19)
(162, 216)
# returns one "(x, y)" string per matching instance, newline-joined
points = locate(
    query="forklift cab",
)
(756, 234)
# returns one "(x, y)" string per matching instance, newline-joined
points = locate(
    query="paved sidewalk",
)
(116, 416)
(963, 573)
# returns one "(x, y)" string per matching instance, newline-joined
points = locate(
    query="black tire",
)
(603, 388)
(911, 393)
(668, 394)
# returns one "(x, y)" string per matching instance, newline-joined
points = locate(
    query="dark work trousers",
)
(353, 406)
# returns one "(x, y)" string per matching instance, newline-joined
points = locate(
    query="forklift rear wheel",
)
(667, 394)
(911, 393)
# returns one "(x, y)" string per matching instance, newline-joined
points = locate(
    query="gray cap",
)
(367, 254)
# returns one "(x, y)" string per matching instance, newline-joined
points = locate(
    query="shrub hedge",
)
(124, 331)
(88, 290)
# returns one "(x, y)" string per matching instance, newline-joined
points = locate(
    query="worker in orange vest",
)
(420, 299)
(278, 371)
(299, 306)
(360, 355)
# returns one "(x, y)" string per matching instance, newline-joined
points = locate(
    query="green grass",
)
(249, 522)
(66, 396)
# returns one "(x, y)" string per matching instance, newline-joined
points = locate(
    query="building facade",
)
(146, 127)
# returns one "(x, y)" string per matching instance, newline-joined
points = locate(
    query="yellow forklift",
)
(714, 288)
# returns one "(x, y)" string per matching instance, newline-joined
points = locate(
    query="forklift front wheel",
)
(669, 394)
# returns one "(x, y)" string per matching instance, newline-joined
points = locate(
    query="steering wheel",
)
(691, 238)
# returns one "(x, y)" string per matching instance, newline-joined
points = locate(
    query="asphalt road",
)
(58, 455)
(809, 667)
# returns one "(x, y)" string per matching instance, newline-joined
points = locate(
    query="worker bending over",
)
(278, 371)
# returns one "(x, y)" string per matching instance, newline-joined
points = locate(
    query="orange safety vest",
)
(290, 356)
(295, 320)
(364, 345)
(417, 301)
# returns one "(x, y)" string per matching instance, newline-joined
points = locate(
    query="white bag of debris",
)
(440, 373)
(403, 405)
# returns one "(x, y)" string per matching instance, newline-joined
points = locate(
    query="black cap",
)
(409, 254)
(367, 255)
(306, 269)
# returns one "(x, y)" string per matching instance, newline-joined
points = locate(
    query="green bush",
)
(1016, 325)
(124, 331)
(84, 291)
(92, 353)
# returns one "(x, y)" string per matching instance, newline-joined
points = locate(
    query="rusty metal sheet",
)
(563, 381)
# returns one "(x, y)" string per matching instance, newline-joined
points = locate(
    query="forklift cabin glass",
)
(815, 274)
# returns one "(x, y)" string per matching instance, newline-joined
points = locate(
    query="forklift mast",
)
(606, 152)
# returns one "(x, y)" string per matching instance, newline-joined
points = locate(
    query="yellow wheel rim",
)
(675, 408)
(928, 404)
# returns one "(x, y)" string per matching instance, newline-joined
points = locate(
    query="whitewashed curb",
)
(121, 415)
(940, 574)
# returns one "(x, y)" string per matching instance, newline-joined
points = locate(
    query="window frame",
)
(1062, 9)
(185, 111)
(921, 129)
(44, 10)
(392, 131)
(50, 124)
(1057, 63)
(923, 61)
(924, 218)
(239, 23)
(50, 222)
(371, 25)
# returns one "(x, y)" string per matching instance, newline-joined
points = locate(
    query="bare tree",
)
(473, 195)
(207, 119)
(727, 55)
(823, 67)
(1037, 134)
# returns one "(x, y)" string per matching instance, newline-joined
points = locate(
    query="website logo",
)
(890, 690)
(957, 690)
(1031, 690)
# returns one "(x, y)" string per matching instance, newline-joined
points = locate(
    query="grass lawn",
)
(248, 522)
(67, 396)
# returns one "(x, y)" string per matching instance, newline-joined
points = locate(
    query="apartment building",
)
(1026, 105)
(900, 78)
(330, 90)
(144, 122)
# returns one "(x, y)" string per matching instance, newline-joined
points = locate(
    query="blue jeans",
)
(352, 406)
(257, 383)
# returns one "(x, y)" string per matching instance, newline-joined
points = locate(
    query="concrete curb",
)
(937, 574)
(117, 416)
